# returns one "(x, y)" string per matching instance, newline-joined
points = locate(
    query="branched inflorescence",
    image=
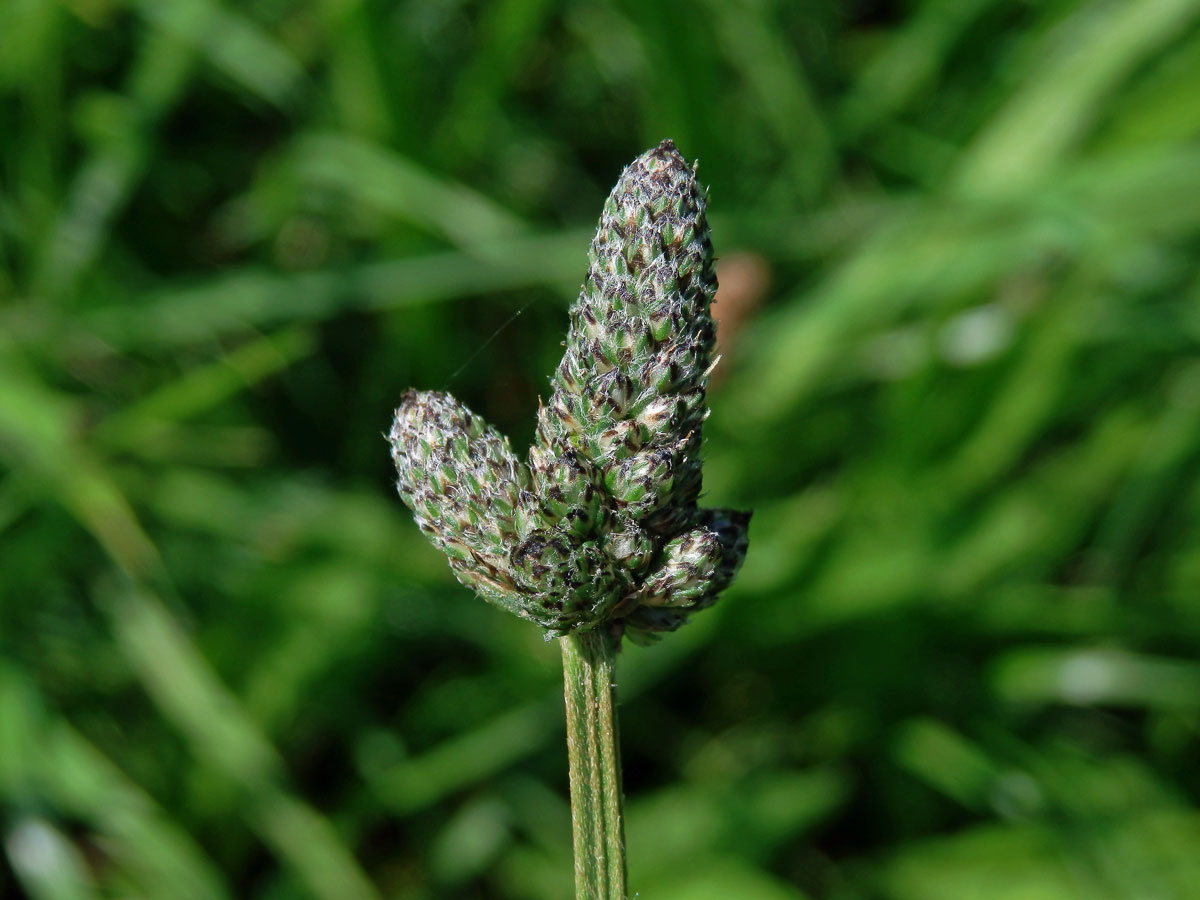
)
(600, 528)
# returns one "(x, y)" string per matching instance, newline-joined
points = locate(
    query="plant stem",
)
(597, 818)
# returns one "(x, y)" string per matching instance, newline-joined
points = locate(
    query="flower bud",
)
(563, 486)
(631, 548)
(686, 573)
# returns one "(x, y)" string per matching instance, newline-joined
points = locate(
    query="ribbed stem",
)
(594, 758)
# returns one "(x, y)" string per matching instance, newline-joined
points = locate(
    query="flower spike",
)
(600, 528)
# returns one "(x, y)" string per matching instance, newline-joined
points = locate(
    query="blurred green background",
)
(960, 388)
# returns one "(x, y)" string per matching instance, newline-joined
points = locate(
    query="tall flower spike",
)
(629, 394)
(602, 528)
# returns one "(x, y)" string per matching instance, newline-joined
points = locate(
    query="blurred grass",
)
(959, 388)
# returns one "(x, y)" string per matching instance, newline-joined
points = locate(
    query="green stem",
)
(597, 818)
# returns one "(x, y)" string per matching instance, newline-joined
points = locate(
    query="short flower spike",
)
(601, 527)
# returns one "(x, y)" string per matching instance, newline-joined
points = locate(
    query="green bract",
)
(600, 527)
